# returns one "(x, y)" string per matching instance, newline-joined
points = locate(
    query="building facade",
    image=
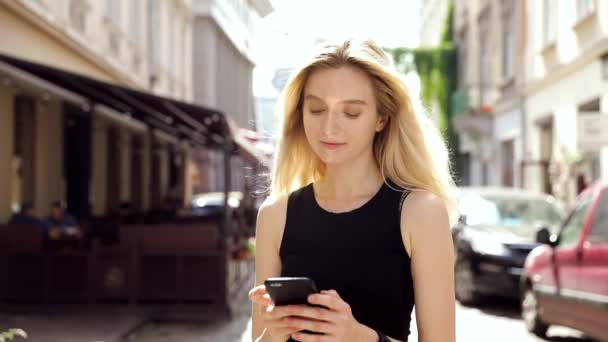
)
(488, 104)
(566, 95)
(223, 64)
(92, 146)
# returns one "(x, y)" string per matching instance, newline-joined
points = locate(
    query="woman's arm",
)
(426, 233)
(269, 231)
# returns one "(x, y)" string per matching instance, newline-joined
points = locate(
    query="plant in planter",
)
(11, 334)
(244, 249)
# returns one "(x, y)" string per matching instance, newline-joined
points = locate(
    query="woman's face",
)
(340, 115)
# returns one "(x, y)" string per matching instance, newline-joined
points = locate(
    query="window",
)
(463, 48)
(135, 21)
(113, 11)
(549, 21)
(584, 8)
(508, 41)
(113, 14)
(599, 226)
(77, 12)
(154, 32)
(484, 74)
(170, 42)
(570, 233)
(508, 162)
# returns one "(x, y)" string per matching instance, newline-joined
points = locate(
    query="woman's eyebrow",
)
(349, 101)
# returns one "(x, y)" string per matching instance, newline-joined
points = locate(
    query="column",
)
(50, 183)
(146, 161)
(163, 181)
(125, 165)
(7, 128)
(185, 176)
(99, 168)
(205, 61)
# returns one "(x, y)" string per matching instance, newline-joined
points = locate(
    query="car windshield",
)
(508, 211)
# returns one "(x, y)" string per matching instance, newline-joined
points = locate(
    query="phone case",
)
(290, 290)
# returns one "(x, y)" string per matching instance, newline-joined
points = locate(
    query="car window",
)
(599, 226)
(509, 211)
(571, 230)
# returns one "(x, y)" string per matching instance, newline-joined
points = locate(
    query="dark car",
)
(496, 231)
(565, 281)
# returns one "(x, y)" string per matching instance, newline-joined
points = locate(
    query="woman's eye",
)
(316, 111)
(352, 115)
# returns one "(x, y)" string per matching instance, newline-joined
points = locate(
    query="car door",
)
(592, 282)
(557, 305)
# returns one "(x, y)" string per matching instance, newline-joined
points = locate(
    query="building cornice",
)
(561, 71)
(65, 36)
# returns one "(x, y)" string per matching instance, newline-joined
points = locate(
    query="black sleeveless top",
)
(359, 253)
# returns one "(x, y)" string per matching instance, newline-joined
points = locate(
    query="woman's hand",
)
(334, 320)
(274, 317)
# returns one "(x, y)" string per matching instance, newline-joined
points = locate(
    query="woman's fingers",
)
(259, 295)
(260, 289)
(330, 300)
(309, 324)
(310, 312)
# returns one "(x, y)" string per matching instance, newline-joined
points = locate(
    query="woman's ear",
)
(381, 123)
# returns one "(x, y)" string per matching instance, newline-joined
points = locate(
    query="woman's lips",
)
(331, 146)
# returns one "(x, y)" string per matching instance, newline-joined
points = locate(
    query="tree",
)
(437, 68)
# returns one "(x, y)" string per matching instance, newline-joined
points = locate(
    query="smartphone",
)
(290, 290)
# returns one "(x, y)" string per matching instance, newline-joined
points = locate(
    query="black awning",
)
(200, 125)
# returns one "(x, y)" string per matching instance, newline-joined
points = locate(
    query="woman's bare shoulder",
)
(424, 217)
(272, 216)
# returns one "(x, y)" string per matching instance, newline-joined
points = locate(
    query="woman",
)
(360, 203)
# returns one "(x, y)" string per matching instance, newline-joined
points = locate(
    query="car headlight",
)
(483, 244)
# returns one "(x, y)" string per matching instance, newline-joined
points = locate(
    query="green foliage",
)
(437, 68)
(11, 334)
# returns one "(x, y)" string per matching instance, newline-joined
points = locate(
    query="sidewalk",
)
(237, 329)
(106, 326)
(120, 324)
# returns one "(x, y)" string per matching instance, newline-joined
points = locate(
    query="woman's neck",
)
(349, 180)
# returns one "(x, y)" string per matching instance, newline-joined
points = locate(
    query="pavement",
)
(74, 326)
(120, 324)
(236, 329)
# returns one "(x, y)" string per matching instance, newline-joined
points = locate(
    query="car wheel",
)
(465, 287)
(529, 312)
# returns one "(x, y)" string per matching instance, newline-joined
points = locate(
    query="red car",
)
(565, 281)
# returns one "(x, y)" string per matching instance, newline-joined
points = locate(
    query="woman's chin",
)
(332, 160)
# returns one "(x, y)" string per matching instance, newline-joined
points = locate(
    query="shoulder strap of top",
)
(404, 195)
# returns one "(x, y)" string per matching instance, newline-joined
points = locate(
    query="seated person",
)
(62, 227)
(26, 216)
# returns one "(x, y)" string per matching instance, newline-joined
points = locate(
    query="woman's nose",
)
(331, 124)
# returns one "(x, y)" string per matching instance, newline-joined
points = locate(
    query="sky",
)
(282, 37)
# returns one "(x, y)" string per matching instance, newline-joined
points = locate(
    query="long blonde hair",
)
(409, 150)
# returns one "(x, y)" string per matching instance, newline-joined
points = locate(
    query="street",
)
(498, 322)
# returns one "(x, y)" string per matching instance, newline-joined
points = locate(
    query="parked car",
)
(495, 233)
(212, 203)
(565, 281)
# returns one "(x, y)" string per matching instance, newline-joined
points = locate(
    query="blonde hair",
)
(409, 151)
